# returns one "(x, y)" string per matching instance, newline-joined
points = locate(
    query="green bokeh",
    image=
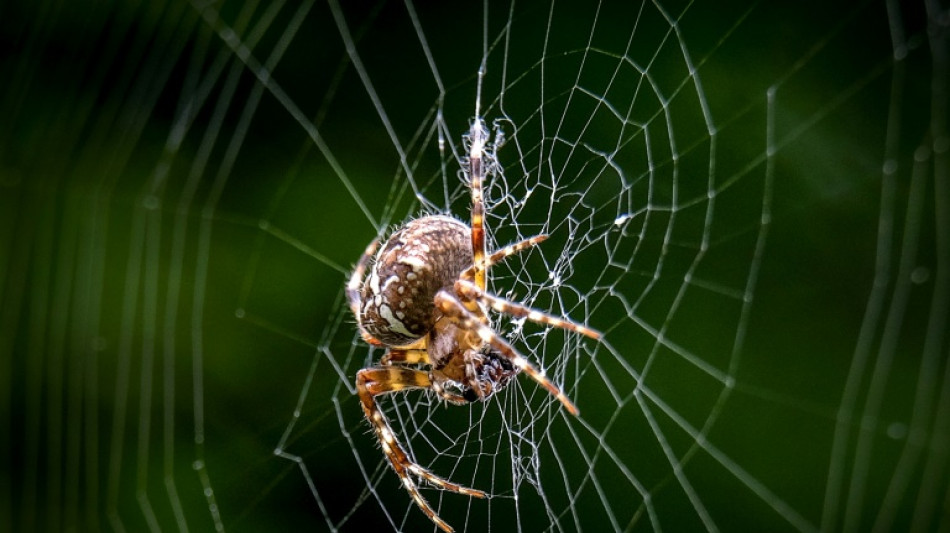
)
(124, 247)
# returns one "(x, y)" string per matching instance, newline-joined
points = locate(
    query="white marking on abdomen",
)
(415, 262)
(395, 325)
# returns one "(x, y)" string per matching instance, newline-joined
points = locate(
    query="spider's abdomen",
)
(419, 259)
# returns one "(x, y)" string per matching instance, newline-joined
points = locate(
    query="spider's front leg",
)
(500, 255)
(371, 382)
(453, 308)
(471, 291)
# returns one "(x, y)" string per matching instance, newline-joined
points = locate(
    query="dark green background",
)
(132, 244)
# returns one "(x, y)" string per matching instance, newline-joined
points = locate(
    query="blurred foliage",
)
(173, 249)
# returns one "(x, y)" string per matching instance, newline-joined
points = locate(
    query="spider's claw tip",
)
(592, 333)
(569, 405)
(477, 494)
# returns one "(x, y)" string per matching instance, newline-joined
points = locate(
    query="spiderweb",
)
(749, 200)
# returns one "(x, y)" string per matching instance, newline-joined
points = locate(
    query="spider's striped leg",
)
(450, 397)
(454, 309)
(469, 290)
(405, 356)
(478, 136)
(419, 356)
(499, 255)
(415, 356)
(353, 289)
(371, 382)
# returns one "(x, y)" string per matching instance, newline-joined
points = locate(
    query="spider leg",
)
(405, 356)
(450, 397)
(454, 309)
(372, 382)
(499, 255)
(478, 136)
(416, 356)
(353, 289)
(468, 289)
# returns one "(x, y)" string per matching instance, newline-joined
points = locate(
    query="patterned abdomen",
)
(419, 259)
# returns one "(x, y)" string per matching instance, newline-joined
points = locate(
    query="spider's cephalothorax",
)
(425, 301)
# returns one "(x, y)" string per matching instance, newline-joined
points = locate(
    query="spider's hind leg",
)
(372, 382)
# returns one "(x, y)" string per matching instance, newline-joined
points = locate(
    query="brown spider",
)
(425, 301)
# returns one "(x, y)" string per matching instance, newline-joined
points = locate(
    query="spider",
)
(425, 300)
